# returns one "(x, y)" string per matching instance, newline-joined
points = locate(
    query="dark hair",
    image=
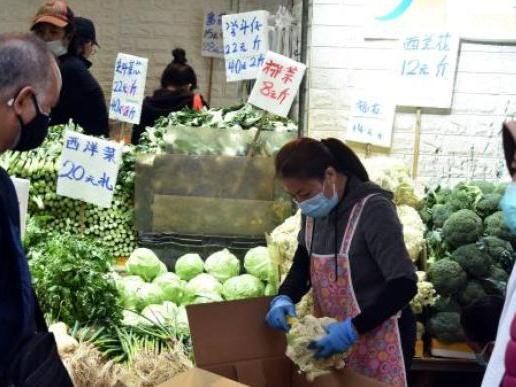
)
(24, 60)
(178, 73)
(307, 158)
(480, 319)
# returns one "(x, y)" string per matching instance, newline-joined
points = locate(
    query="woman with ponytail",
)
(351, 253)
(178, 83)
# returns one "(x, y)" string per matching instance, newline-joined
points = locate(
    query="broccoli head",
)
(461, 228)
(473, 260)
(446, 327)
(446, 304)
(488, 205)
(486, 187)
(496, 282)
(495, 226)
(500, 251)
(440, 213)
(447, 276)
(464, 196)
(473, 291)
(426, 216)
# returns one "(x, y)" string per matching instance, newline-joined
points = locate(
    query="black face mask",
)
(33, 133)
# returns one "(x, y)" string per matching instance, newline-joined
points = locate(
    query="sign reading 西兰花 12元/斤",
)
(427, 69)
(246, 41)
(128, 88)
(277, 84)
(371, 120)
(212, 42)
(88, 168)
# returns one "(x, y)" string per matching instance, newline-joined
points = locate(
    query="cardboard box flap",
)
(251, 372)
(233, 332)
(200, 378)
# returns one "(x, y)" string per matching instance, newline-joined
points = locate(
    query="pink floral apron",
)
(377, 354)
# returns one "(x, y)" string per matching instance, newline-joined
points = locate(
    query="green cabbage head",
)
(149, 294)
(188, 266)
(222, 265)
(172, 286)
(146, 264)
(203, 285)
(257, 262)
(128, 290)
(242, 287)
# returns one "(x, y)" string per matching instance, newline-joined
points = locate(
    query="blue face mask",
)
(319, 206)
(508, 205)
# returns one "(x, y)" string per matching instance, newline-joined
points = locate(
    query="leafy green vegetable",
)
(447, 276)
(257, 262)
(499, 250)
(465, 197)
(222, 265)
(188, 266)
(72, 281)
(486, 187)
(128, 289)
(440, 213)
(146, 264)
(446, 304)
(242, 287)
(461, 228)
(162, 314)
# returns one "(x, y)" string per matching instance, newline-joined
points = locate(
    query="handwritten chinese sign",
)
(371, 121)
(246, 41)
(128, 88)
(22, 187)
(427, 69)
(212, 42)
(277, 84)
(89, 169)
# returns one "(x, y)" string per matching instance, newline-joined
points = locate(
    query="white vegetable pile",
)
(303, 332)
(426, 295)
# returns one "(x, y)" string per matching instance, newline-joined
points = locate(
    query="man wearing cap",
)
(85, 41)
(82, 99)
(29, 87)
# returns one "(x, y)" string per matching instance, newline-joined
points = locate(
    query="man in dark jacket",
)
(29, 87)
(82, 99)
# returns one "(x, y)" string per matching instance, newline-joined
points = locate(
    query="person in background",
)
(479, 322)
(178, 83)
(84, 45)
(352, 254)
(29, 87)
(501, 369)
(82, 99)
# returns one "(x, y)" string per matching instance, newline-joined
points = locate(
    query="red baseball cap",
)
(54, 12)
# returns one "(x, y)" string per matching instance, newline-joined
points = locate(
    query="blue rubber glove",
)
(281, 308)
(341, 336)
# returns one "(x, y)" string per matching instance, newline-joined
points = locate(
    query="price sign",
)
(277, 84)
(427, 68)
(89, 169)
(246, 41)
(371, 121)
(212, 41)
(128, 88)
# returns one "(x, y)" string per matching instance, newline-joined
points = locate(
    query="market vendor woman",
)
(352, 254)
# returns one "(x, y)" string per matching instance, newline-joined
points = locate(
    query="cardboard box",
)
(452, 350)
(231, 339)
(200, 378)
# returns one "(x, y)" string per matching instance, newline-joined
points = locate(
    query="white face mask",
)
(57, 47)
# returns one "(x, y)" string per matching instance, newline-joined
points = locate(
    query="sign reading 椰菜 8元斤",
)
(246, 41)
(89, 169)
(128, 88)
(277, 84)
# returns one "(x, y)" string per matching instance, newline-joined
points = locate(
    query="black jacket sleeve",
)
(297, 282)
(91, 113)
(397, 295)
